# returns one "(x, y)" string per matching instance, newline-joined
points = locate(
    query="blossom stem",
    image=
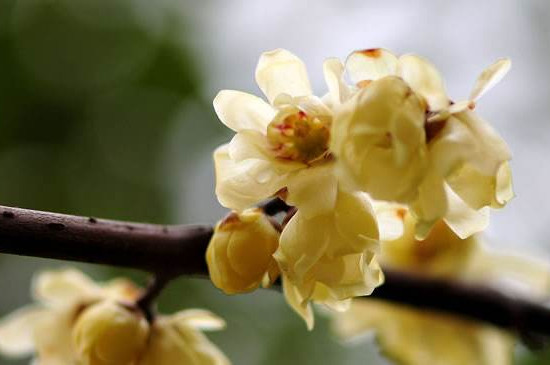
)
(172, 251)
(147, 300)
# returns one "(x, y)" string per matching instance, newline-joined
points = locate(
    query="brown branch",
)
(179, 250)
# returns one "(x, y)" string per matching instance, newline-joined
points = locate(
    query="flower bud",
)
(239, 255)
(379, 140)
(107, 333)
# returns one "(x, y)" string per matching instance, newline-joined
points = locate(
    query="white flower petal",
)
(240, 185)
(371, 64)
(280, 71)
(198, 318)
(17, 331)
(64, 287)
(424, 79)
(461, 218)
(241, 111)
(490, 77)
(333, 70)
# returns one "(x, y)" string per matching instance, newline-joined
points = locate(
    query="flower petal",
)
(296, 302)
(462, 218)
(241, 111)
(390, 218)
(371, 64)
(431, 204)
(198, 318)
(424, 79)
(313, 190)
(333, 70)
(280, 71)
(17, 331)
(64, 287)
(490, 77)
(240, 185)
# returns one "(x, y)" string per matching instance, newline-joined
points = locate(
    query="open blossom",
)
(415, 337)
(177, 339)
(279, 144)
(330, 258)
(239, 255)
(379, 140)
(109, 333)
(78, 322)
(465, 156)
(46, 328)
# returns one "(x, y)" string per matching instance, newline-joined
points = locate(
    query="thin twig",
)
(179, 250)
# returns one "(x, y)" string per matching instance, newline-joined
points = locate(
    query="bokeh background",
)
(105, 110)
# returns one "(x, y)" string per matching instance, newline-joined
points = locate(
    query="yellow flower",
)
(379, 140)
(415, 337)
(467, 161)
(239, 255)
(329, 258)
(108, 333)
(78, 322)
(46, 328)
(276, 141)
(177, 339)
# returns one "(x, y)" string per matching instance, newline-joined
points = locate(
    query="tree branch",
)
(169, 251)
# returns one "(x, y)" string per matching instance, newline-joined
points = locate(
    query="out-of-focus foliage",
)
(101, 114)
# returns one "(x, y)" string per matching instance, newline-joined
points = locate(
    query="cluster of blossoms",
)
(416, 337)
(388, 136)
(78, 322)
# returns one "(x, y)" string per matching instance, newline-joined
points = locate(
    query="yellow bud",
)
(239, 255)
(107, 333)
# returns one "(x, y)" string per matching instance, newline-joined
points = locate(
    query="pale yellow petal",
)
(280, 71)
(479, 190)
(504, 188)
(241, 111)
(371, 64)
(490, 150)
(390, 218)
(431, 204)
(491, 76)
(240, 185)
(64, 287)
(297, 303)
(462, 218)
(249, 144)
(198, 318)
(333, 70)
(425, 79)
(17, 331)
(313, 190)
(413, 337)
(302, 243)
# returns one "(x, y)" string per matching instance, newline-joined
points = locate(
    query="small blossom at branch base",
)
(78, 322)
(109, 333)
(239, 255)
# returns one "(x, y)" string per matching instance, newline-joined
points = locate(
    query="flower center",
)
(299, 136)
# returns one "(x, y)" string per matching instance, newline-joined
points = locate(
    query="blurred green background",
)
(105, 110)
